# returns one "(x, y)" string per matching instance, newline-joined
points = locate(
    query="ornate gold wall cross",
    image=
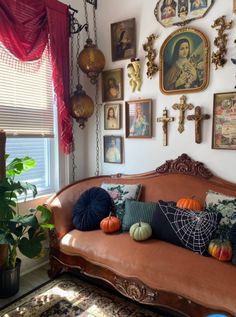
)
(165, 120)
(182, 107)
(198, 117)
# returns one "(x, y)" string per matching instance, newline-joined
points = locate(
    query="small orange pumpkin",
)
(189, 203)
(220, 249)
(110, 224)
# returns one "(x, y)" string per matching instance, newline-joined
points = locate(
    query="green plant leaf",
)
(45, 213)
(30, 248)
(19, 165)
(27, 220)
(49, 226)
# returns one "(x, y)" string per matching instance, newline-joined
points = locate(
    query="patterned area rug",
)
(69, 296)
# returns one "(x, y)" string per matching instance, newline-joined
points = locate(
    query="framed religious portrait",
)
(112, 84)
(112, 116)
(138, 118)
(123, 40)
(113, 151)
(184, 62)
(224, 121)
(180, 12)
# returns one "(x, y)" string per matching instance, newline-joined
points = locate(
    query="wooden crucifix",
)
(165, 120)
(182, 107)
(198, 117)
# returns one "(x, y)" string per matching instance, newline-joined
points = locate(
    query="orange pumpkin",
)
(220, 249)
(110, 224)
(189, 203)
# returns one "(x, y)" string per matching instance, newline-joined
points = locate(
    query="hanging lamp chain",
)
(72, 83)
(86, 18)
(95, 25)
(98, 134)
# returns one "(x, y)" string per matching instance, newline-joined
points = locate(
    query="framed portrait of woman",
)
(113, 152)
(123, 40)
(184, 62)
(139, 118)
(112, 85)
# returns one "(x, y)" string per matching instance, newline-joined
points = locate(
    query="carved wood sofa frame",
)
(193, 176)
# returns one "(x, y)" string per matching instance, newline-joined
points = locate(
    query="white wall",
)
(141, 155)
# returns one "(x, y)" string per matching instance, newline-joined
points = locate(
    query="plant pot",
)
(10, 280)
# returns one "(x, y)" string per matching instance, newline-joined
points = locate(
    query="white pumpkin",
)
(140, 231)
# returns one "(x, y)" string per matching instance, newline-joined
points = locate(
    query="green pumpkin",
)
(140, 231)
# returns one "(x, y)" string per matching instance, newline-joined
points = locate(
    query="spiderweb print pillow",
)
(184, 227)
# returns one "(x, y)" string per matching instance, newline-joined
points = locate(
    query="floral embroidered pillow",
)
(226, 205)
(119, 193)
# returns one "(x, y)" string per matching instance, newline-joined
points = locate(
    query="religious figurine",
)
(134, 74)
(165, 120)
(182, 107)
(198, 117)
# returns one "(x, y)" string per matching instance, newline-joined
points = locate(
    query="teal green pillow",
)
(136, 211)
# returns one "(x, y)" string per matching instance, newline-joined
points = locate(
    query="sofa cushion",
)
(226, 205)
(92, 206)
(136, 211)
(158, 264)
(184, 227)
(119, 193)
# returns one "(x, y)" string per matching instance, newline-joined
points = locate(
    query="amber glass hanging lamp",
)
(91, 59)
(81, 105)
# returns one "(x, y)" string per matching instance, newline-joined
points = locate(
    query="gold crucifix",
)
(182, 107)
(165, 120)
(198, 117)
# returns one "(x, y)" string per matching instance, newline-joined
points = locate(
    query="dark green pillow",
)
(136, 211)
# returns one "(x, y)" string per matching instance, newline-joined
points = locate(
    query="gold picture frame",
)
(181, 12)
(139, 118)
(112, 116)
(123, 40)
(184, 62)
(113, 149)
(112, 85)
(224, 121)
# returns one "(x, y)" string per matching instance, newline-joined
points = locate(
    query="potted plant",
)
(18, 232)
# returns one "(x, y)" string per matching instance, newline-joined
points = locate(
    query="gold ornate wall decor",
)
(218, 57)
(152, 68)
(180, 12)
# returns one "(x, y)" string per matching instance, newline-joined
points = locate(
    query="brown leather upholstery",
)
(157, 264)
(172, 268)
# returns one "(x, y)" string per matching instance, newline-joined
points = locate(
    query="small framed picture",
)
(113, 151)
(181, 12)
(224, 121)
(112, 116)
(123, 40)
(139, 118)
(112, 84)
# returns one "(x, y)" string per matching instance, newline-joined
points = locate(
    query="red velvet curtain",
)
(26, 28)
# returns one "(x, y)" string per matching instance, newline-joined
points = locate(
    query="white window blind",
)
(26, 100)
(42, 151)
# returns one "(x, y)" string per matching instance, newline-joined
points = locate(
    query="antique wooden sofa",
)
(151, 272)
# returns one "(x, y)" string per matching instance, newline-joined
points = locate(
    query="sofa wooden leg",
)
(56, 268)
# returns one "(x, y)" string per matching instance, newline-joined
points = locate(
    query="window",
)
(27, 116)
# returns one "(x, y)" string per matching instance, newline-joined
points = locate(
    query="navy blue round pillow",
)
(92, 206)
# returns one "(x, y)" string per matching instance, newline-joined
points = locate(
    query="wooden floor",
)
(27, 283)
